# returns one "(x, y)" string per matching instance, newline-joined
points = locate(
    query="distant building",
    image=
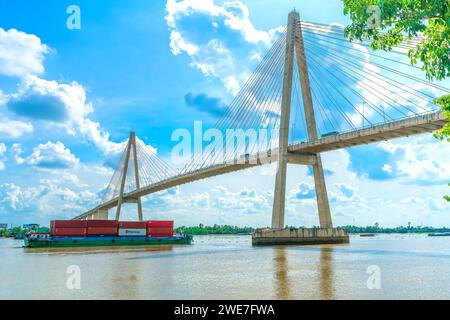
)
(30, 226)
(3, 226)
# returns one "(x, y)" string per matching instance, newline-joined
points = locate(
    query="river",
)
(228, 267)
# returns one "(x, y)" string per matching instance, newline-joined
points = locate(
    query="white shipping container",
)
(132, 232)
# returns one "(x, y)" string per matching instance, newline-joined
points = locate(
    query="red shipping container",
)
(68, 224)
(102, 223)
(159, 224)
(160, 230)
(102, 231)
(132, 225)
(69, 232)
(161, 235)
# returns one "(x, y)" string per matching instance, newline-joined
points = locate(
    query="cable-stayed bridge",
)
(313, 92)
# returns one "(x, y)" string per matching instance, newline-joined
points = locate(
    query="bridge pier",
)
(300, 236)
(295, 46)
(102, 214)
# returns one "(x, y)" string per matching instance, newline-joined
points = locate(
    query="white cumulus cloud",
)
(220, 40)
(61, 104)
(2, 152)
(39, 100)
(21, 53)
(49, 100)
(48, 156)
(419, 159)
(14, 128)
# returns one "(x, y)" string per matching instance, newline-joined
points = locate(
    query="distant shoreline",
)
(226, 229)
(235, 230)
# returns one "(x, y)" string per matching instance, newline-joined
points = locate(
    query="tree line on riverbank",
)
(227, 229)
(215, 229)
(19, 232)
(401, 229)
(16, 232)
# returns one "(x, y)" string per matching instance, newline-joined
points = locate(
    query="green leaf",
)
(401, 20)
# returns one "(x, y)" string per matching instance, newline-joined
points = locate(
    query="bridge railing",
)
(425, 116)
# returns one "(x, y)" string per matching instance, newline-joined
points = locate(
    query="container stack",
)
(111, 228)
(132, 229)
(102, 228)
(68, 228)
(159, 228)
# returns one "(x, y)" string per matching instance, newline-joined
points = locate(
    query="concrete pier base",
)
(301, 236)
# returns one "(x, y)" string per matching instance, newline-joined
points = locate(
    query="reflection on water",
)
(228, 267)
(281, 273)
(97, 250)
(284, 283)
(326, 273)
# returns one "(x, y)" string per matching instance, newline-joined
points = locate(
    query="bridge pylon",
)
(129, 153)
(295, 46)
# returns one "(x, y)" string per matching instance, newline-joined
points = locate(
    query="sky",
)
(70, 97)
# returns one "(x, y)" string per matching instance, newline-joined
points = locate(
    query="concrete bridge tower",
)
(130, 150)
(326, 233)
(295, 46)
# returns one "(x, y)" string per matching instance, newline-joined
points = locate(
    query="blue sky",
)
(69, 98)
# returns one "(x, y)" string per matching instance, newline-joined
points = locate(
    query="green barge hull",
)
(76, 242)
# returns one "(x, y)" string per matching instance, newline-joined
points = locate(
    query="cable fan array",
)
(152, 169)
(352, 87)
(256, 107)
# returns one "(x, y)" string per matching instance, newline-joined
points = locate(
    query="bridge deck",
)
(411, 126)
(200, 174)
(402, 128)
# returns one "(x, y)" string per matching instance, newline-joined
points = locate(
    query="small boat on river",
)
(439, 234)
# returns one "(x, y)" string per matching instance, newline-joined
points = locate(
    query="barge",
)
(106, 233)
(439, 234)
(48, 241)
